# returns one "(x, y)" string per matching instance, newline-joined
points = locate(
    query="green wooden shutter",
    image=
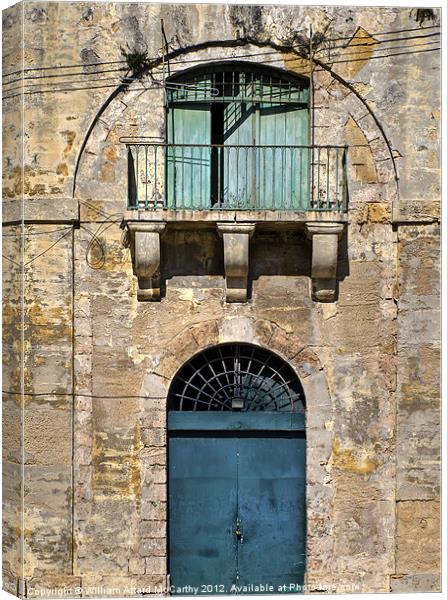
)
(283, 172)
(239, 163)
(189, 167)
(266, 177)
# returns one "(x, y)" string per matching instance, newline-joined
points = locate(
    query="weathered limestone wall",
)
(97, 363)
(418, 409)
(12, 311)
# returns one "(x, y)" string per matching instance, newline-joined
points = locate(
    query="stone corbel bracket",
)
(324, 237)
(236, 241)
(144, 241)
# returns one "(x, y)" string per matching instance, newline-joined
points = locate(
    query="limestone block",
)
(48, 428)
(152, 474)
(347, 582)
(153, 510)
(154, 386)
(153, 437)
(137, 566)
(418, 531)
(154, 493)
(418, 456)
(420, 582)
(156, 565)
(153, 547)
(118, 585)
(67, 586)
(236, 329)
(363, 286)
(288, 345)
(153, 456)
(153, 529)
(206, 334)
(47, 519)
(420, 325)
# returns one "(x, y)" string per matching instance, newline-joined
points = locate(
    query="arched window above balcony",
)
(238, 136)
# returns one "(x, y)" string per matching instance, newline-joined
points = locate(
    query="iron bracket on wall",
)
(144, 238)
(236, 240)
(325, 237)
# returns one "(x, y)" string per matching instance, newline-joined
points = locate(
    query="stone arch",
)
(306, 364)
(119, 114)
(259, 332)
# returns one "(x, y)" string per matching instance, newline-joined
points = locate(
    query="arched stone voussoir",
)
(186, 344)
(306, 363)
(206, 334)
(286, 344)
(183, 345)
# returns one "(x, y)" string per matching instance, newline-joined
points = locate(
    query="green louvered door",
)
(283, 168)
(266, 170)
(255, 119)
(189, 166)
(239, 169)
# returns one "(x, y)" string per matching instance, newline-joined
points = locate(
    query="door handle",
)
(238, 533)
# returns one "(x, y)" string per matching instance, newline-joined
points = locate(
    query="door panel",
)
(283, 172)
(222, 477)
(271, 482)
(189, 168)
(239, 163)
(202, 511)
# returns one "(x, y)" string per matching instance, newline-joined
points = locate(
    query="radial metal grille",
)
(236, 377)
(238, 82)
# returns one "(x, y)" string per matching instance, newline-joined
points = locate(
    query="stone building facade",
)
(104, 302)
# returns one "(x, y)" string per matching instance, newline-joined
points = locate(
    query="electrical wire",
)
(115, 62)
(377, 42)
(80, 395)
(39, 255)
(32, 85)
(159, 87)
(211, 60)
(53, 75)
(72, 66)
(337, 62)
(391, 32)
(30, 233)
(375, 49)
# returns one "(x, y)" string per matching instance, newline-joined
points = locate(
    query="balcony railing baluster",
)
(236, 177)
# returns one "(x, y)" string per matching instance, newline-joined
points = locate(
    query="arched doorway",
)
(236, 425)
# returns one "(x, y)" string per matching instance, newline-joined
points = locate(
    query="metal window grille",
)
(236, 377)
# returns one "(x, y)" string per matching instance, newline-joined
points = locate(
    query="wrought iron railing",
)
(205, 177)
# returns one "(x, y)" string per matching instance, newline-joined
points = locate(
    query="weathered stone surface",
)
(51, 585)
(368, 361)
(418, 537)
(419, 582)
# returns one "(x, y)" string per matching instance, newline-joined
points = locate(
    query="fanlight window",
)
(238, 82)
(236, 377)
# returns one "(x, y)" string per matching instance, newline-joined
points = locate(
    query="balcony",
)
(214, 177)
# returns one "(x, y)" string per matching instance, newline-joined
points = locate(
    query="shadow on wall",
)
(198, 255)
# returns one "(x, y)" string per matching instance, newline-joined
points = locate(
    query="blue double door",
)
(236, 503)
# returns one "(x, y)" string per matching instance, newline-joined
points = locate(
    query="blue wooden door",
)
(236, 503)
(271, 494)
